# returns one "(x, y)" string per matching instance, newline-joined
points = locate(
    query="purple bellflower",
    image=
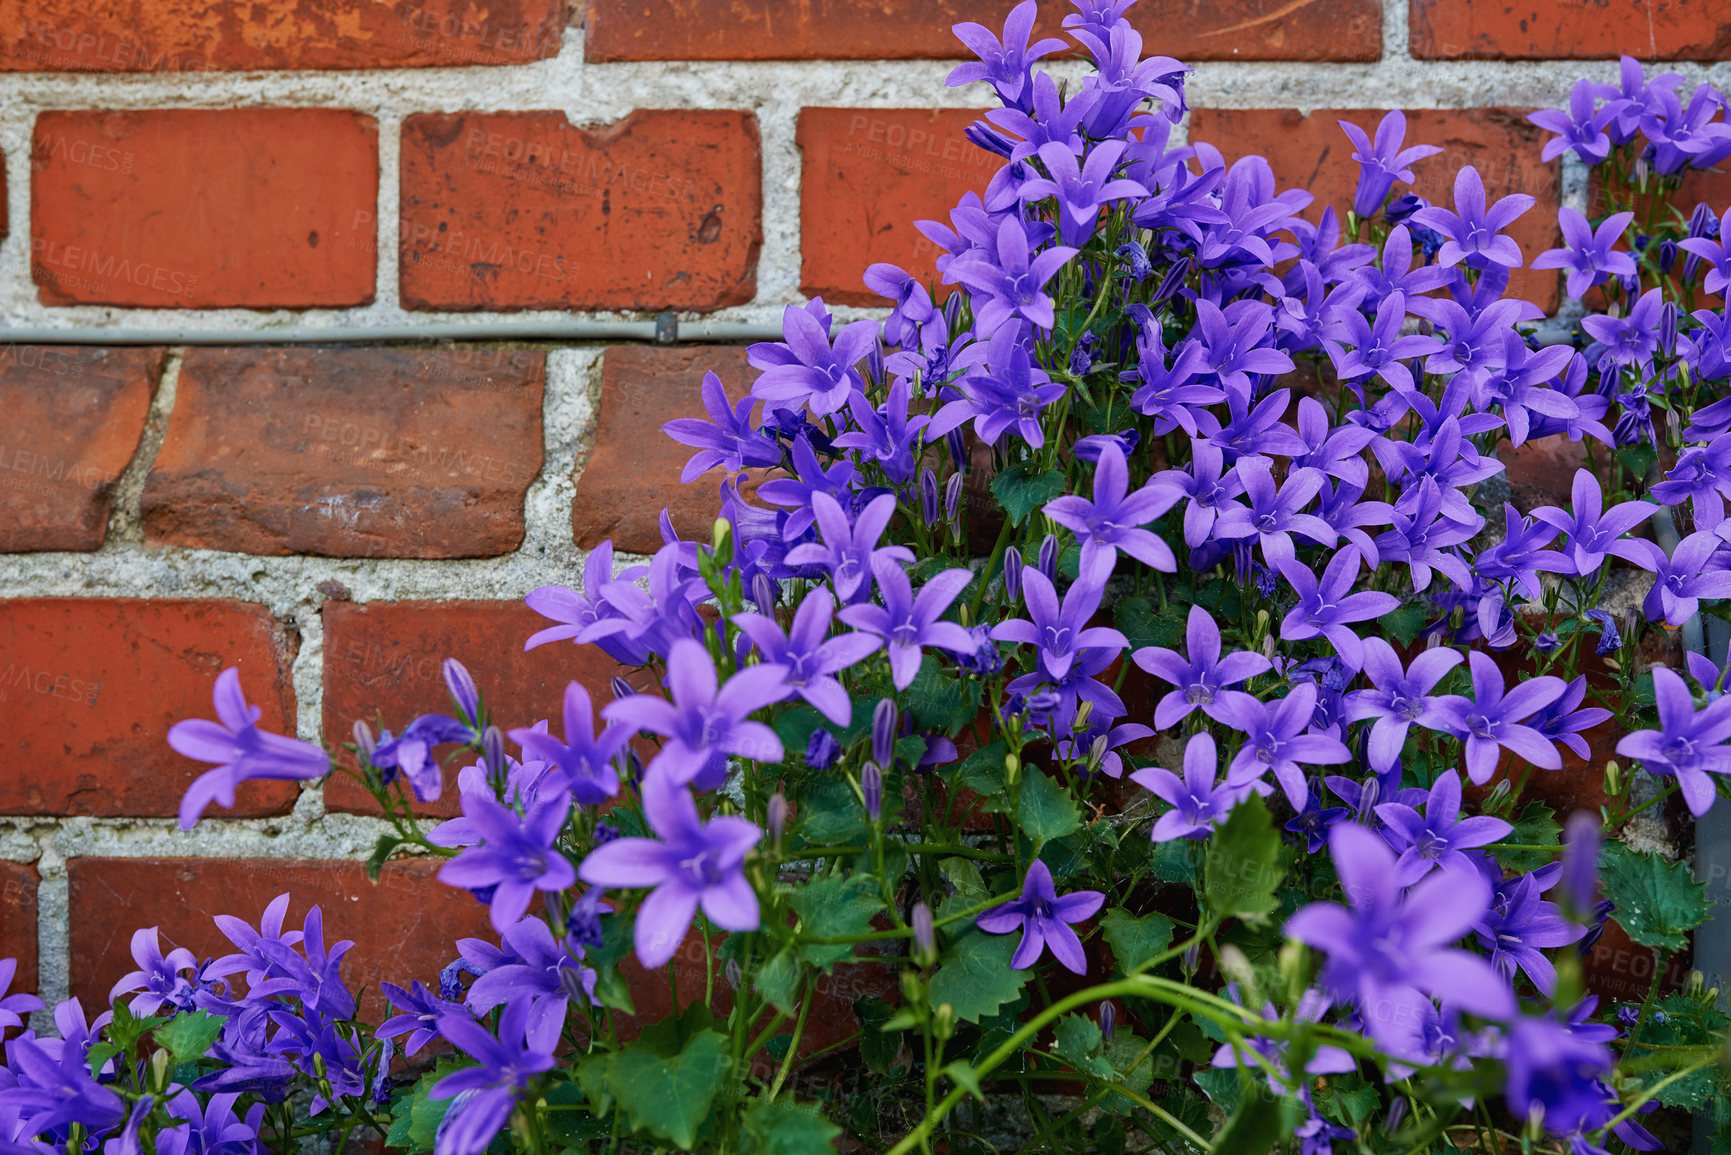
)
(1113, 521)
(703, 724)
(1081, 188)
(1057, 631)
(1440, 836)
(1382, 162)
(727, 439)
(1473, 231)
(418, 1013)
(1274, 515)
(1695, 570)
(1400, 697)
(515, 858)
(1197, 800)
(1326, 608)
(1587, 253)
(1011, 282)
(1582, 128)
(1202, 679)
(1391, 952)
(242, 752)
(1595, 532)
(850, 551)
(1491, 720)
(1004, 63)
(809, 663)
(1044, 920)
(1518, 926)
(907, 621)
(543, 972)
(1275, 740)
(487, 1093)
(583, 762)
(13, 1008)
(688, 863)
(157, 979)
(1688, 744)
(820, 376)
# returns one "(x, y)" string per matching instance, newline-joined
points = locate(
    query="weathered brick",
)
(867, 174)
(73, 419)
(18, 922)
(231, 35)
(346, 452)
(382, 662)
(1312, 153)
(90, 687)
(522, 210)
(204, 208)
(1570, 29)
(404, 926)
(633, 471)
(915, 29)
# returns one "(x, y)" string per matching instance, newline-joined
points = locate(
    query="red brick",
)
(1312, 153)
(204, 208)
(1571, 29)
(633, 471)
(382, 662)
(349, 452)
(660, 210)
(229, 35)
(404, 927)
(1542, 472)
(866, 176)
(90, 687)
(73, 419)
(18, 923)
(915, 29)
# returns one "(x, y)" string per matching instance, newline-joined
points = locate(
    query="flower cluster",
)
(1154, 545)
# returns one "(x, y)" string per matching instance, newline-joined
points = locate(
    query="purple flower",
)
(487, 1093)
(1594, 531)
(1400, 698)
(1553, 1071)
(704, 724)
(1210, 487)
(1376, 348)
(1197, 801)
(1563, 720)
(583, 761)
(808, 662)
(1058, 632)
(54, 1089)
(885, 435)
(13, 1007)
(1588, 253)
(1717, 254)
(850, 551)
(158, 977)
(1273, 516)
(818, 375)
(419, 1011)
(1275, 740)
(543, 972)
(1687, 744)
(516, 856)
(689, 862)
(1081, 189)
(577, 612)
(1440, 835)
(1391, 951)
(1009, 393)
(727, 439)
(1010, 281)
(1382, 163)
(1006, 63)
(906, 621)
(1582, 128)
(1630, 339)
(1695, 570)
(1236, 343)
(1491, 720)
(1518, 925)
(1044, 920)
(1327, 608)
(1473, 233)
(1113, 521)
(1203, 677)
(242, 752)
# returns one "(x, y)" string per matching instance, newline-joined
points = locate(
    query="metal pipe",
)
(666, 329)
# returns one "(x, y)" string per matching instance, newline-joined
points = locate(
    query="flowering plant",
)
(1119, 695)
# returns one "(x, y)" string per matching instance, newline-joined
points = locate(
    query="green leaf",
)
(415, 1118)
(1170, 862)
(936, 699)
(1047, 809)
(788, 1129)
(570, 1120)
(1244, 863)
(1146, 625)
(381, 855)
(189, 1037)
(1404, 622)
(877, 1047)
(669, 1096)
(1135, 940)
(830, 814)
(976, 978)
(1253, 1130)
(778, 981)
(1536, 826)
(125, 1029)
(1022, 488)
(1077, 1040)
(962, 1075)
(1657, 902)
(831, 908)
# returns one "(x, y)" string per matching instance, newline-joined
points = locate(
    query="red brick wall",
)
(335, 519)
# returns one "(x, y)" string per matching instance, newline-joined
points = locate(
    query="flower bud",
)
(1613, 779)
(764, 592)
(1668, 318)
(1192, 958)
(733, 972)
(1048, 562)
(721, 539)
(884, 719)
(620, 687)
(925, 938)
(1012, 769)
(1108, 1021)
(1085, 712)
(777, 817)
(958, 447)
(463, 691)
(1013, 574)
(1580, 863)
(953, 501)
(1667, 255)
(493, 751)
(944, 1021)
(929, 496)
(871, 783)
(1396, 1115)
(821, 749)
(1172, 281)
(364, 744)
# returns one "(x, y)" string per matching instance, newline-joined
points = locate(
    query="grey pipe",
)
(666, 329)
